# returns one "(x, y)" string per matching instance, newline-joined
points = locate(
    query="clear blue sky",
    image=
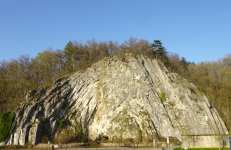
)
(199, 30)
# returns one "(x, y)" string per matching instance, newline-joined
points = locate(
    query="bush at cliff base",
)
(6, 122)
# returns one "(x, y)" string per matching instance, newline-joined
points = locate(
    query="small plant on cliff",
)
(162, 97)
(170, 79)
(192, 90)
(42, 119)
(7, 120)
(114, 119)
(143, 113)
(69, 112)
(61, 123)
(142, 125)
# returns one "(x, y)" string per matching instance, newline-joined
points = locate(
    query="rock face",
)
(120, 98)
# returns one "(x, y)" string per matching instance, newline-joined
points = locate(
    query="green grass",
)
(225, 148)
(6, 123)
(20, 147)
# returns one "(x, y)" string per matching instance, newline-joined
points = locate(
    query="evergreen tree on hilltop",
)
(159, 52)
(68, 52)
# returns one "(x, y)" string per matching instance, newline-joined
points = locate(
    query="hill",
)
(119, 97)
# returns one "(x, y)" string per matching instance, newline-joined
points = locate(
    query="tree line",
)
(18, 76)
(211, 78)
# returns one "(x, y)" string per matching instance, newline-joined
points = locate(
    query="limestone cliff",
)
(119, 97)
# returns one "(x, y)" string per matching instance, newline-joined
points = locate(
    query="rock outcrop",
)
(120, 98)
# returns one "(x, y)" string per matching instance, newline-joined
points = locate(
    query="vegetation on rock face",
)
(192, 90)
(61, 123)
(69, 112)
(162, 97)
(6, 123)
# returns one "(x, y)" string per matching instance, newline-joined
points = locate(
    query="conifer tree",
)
(68, 52)
(159, 52)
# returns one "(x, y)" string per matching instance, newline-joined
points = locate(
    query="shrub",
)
(46, 130)
(45, 138)
(28, 145)
(6, 123)
(162, 97)
(68, 136)
(32, 92)
(174, 141)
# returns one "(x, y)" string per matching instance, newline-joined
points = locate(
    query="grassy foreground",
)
(225, 148)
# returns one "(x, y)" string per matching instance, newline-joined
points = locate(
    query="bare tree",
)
(223, 140)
